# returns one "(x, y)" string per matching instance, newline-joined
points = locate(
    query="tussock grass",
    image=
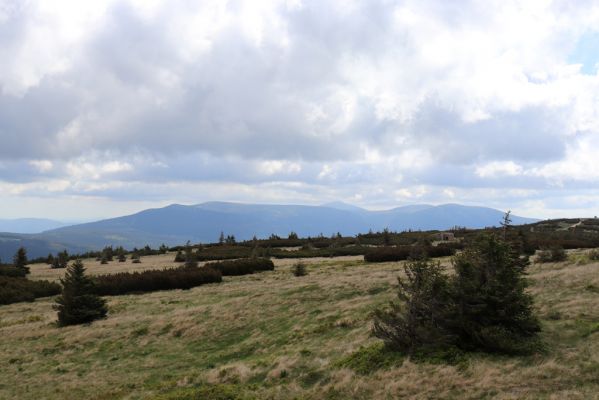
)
(271, 335)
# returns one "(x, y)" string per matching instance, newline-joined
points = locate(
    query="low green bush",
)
(554, 254)
(153, 280)
(17, 289)
(400, 253)
(9, 270)
(243, 266)
(299, 269)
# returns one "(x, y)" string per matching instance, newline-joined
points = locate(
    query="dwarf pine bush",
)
(482, 307)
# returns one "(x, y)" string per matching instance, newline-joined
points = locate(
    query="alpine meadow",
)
(293, 200)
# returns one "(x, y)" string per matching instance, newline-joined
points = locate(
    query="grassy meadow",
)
(272, 335)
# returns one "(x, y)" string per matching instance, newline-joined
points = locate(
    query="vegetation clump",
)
(244, 266)
(400, 253)
(9, 270)
(299, 269)
(483, 307)
(554, 254)
(20, 260)
(17, 289)
(61, 260)
(78, 303)
(153, 280)
(179, 257)
(135, 259)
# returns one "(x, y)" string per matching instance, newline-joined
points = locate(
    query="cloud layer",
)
(125, 104)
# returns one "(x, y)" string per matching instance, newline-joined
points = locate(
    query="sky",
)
(111, 107)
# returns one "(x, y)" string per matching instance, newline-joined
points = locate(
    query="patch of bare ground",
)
(276, 336)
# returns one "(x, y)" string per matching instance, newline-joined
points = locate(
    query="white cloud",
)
(381, 101)
(42, 165)
(499, 168)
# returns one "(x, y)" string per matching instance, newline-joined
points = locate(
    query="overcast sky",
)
(110, 107)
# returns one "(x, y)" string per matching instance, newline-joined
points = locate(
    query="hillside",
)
(175, 224)
(275, 336)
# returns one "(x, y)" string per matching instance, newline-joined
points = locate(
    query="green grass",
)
(273, 336)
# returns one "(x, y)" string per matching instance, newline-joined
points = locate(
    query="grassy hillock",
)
(271, 335)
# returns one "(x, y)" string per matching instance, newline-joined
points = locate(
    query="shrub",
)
(483, 307)
(493, 313)
(299, 269)
(386, 254)
(153, 280)
(78, 303)
(61, 260)
(179, 257)
(17, 289)
(243, 266)
(554, 254)
(419, 319)
(8, 270)
(223, 252)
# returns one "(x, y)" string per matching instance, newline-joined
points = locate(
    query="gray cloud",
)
(377, 102)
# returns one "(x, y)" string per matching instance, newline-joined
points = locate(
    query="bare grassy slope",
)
(273, 335)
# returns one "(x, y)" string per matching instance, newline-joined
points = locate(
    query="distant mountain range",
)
(175, 224)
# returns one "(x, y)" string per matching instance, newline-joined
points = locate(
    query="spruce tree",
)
(61, 260)
(78, 303)
(418, 321)
(20, 260)
(179, 257)
(493, 312)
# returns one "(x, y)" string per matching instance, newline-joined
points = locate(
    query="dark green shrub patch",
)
(153, 280)
(224, 252)
(554, 254)
(9, 270)
(17, 289)
(243, 266)
(385, 254)
(484, 306)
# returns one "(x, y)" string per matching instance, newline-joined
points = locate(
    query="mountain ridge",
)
(176, 223)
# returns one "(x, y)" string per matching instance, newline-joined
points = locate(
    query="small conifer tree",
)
(78, 303)
(493, 312)
(299, 269)
(20, 260)
(179, 257)
(418, 320)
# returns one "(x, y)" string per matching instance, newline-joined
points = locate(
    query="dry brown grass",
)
(272, 335)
